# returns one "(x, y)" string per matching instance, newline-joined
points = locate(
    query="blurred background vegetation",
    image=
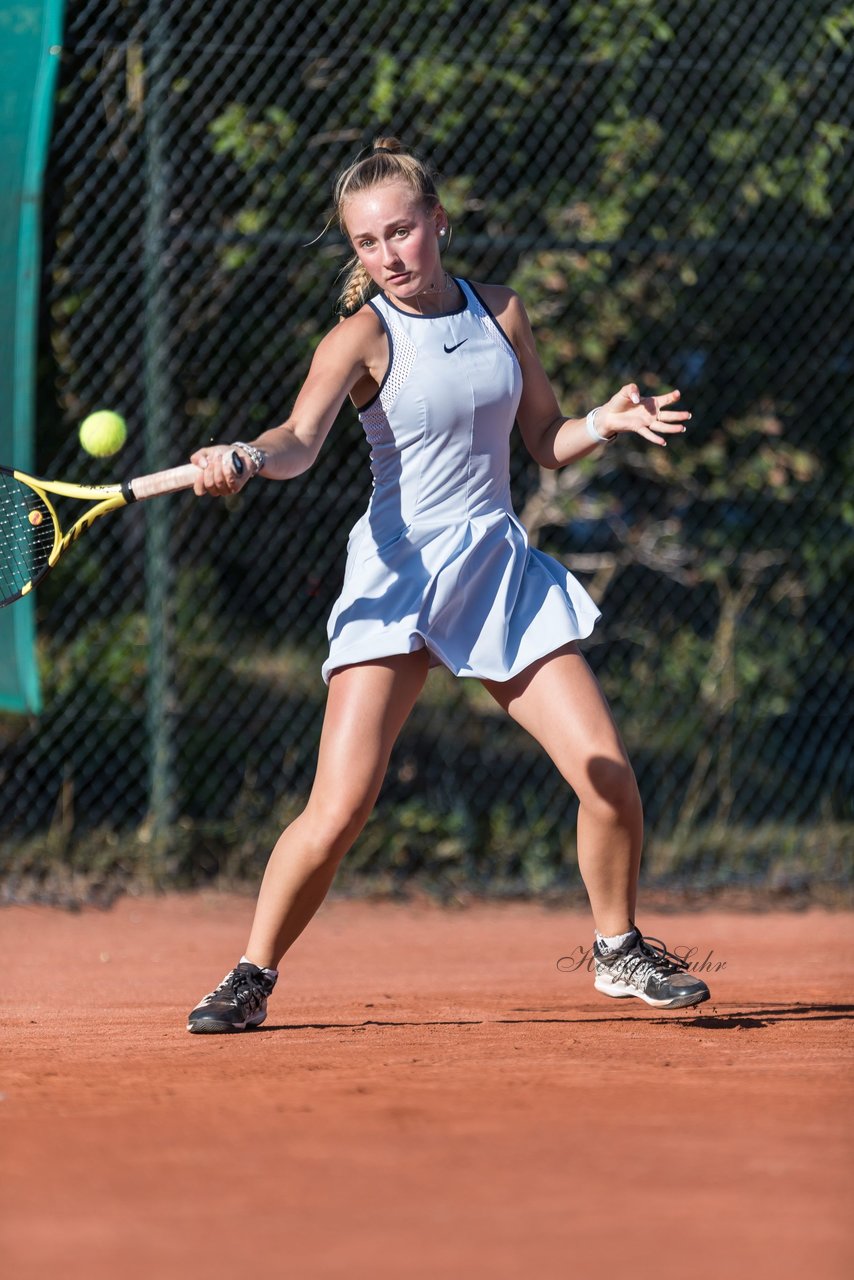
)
(668, 185)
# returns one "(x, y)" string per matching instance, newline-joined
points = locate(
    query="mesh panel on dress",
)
(375, 423)
(374, 418)
(403, 353)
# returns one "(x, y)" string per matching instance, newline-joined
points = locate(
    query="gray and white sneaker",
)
(643, 967)
(239, 1002)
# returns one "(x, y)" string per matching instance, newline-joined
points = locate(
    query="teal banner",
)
(30, 51)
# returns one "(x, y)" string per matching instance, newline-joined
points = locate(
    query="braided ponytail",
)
(385, 161)
(357, 288)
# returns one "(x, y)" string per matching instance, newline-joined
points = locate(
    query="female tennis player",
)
(439, 570)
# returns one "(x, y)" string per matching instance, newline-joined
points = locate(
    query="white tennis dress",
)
(440, 559)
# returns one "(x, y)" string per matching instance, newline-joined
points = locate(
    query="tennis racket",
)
(31, 538)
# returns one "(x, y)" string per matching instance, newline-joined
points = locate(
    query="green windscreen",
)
(30, 50)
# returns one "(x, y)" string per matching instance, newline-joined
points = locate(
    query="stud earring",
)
(444, 231)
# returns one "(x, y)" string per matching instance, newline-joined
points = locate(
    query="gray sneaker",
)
(643, 967)
(240, 1001)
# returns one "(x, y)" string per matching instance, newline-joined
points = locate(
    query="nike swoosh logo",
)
(448, 349)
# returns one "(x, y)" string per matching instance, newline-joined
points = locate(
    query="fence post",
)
(160, 708)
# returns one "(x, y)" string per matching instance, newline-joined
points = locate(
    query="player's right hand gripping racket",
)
(31, 539)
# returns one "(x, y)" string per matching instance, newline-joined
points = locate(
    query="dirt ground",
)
(432, 1095)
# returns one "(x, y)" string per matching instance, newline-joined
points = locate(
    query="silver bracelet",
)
(257, 456)
(590, 423)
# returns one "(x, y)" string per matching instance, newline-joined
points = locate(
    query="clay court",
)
(431, 1095)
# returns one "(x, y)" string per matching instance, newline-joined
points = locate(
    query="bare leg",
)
(365, 711)
(560, 703)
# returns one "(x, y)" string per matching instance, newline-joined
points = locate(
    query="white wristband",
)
(590, 423)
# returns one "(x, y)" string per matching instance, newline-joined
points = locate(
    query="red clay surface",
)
(430, 1097)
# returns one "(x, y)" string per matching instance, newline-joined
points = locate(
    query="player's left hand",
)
(646, 416)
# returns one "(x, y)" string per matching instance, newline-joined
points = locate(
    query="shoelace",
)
(243, 985)
(663, 960)
(648, 956)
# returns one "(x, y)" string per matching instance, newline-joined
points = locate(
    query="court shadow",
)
(370, 1022)
(737, 1019)
(433, 1022)
(747, 1019)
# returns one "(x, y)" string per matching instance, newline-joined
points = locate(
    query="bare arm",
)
(552, 439)
(349, 353)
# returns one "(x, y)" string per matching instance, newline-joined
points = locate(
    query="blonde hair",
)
(385, 161)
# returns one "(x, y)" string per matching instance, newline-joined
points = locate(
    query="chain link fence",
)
(668, 184)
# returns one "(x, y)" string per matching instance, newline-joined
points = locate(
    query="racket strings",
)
(26, 536)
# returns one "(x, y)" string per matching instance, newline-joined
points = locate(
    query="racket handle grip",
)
(172, 481)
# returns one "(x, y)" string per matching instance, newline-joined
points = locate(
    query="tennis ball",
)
(103, 433)
(35, 516)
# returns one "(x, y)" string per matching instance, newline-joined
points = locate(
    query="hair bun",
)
(394, 145)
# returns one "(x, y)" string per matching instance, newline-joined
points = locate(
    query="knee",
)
(331, 828)
(612, 790)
